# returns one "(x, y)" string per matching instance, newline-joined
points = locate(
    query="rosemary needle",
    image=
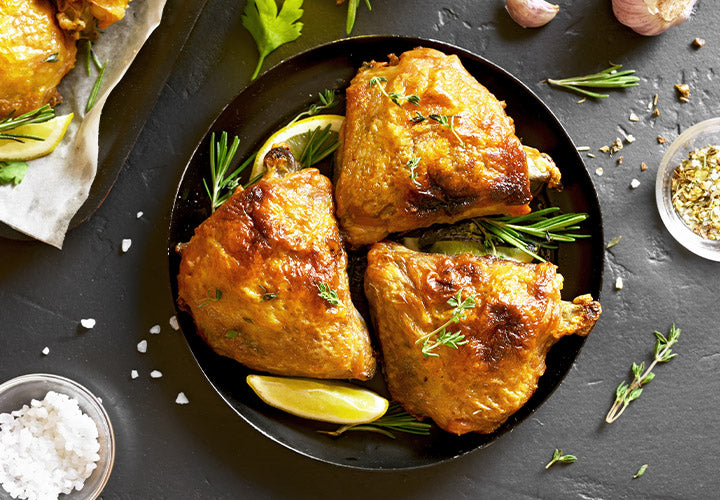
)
(611, 77)
(96, 88)
(395, 419)
(10, 123)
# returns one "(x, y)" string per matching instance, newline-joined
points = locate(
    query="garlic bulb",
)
(531, 13)
(652, 17)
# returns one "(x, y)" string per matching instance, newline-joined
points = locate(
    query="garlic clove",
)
(652, 17)
(531, 13)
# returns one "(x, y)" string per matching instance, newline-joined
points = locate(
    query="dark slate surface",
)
(204, 450)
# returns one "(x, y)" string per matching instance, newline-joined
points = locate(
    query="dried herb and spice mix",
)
(696, 191)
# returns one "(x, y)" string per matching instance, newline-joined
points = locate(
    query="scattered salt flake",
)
(155, 329)
(46, 351)
(182, 399)
(630, 138)
(618, 283)
(634, 117)
(126, 244)
(139, 214)
(174, 323)
(134, 374)
(87, 323)
(155, 374)
(634, 183)
(599, 171)
(142, 346)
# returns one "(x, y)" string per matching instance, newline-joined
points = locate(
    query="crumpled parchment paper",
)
(57, 185)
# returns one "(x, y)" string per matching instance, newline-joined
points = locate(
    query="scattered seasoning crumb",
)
(634, 184)
(155, 374)
(696, 191)
(126, 244)
(655, 100)
(590, 155)
(155, 329)
(630, 138)
(614, 242)
(582, 100)
(599, 171)
(174, 323)
(139, 214)
(656, 112)
(583, 148)
(618, 283)
(683, 91)
(182, 399)
(619, 160)
(142, 346)
(46, 350)
(640, 471)
(643, 167)
(134, 374)
(697, 43)
(87, 323)
(616, 146)
(661, 139)
(634, 117)
(605, 149)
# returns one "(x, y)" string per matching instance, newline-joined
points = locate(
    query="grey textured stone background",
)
(204, 450)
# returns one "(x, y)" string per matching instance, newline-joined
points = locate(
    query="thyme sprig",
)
(327, 293)
(395, 419)
(532, 231)
(442, 336)
(211, 297)
(412, 165)
(352, 13)
(395, 97)
(267, 295)
(10, 123)
(559, 458)
(444, 120)
(626, 394)
(611, 77)
(327, 99)
(223, 183)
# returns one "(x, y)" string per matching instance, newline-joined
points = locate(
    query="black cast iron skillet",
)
(268, 104)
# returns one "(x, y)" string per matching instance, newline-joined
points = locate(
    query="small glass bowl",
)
(698, 136)
(21, 390)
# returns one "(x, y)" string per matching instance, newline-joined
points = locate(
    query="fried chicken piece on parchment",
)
(251, 278)
(83, 17)
(400, 168)
(518, 315)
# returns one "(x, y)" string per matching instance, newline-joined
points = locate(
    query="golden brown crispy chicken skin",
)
(267, 249)
(83, 17)
(518, 316)
(29, 39)
(375, 192)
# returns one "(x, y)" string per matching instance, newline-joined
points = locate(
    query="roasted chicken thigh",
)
(423, 143)
(516, 316)
(265, 279)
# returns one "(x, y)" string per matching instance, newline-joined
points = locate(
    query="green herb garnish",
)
(412, 165)
(395, 97)
(558, 457)
(444, 120)
(442, 336)
(269, 28)
(352, 13)
(52, 58)
(9, 123)
(625, 394)
(640, 471)
(327, 293)
(267, 295)
(96, 88)
(211, 298)
(321, 143)
(613, 242)
(609, 78)
(223, 184)
(231, 334)
(395, 419)
(12, 172)
(327, 98)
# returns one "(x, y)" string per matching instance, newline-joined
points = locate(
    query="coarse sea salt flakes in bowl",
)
(20, 391)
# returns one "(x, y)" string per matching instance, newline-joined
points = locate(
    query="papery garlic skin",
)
(652, 17)
(531, 13)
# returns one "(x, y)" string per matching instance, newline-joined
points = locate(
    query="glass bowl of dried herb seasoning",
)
(687, 189)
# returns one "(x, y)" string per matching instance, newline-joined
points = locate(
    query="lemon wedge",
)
(296, 136)
(324, 400)
(51, 131)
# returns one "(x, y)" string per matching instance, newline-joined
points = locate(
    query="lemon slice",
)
(296, 136)
(51, 131)
(324, 400)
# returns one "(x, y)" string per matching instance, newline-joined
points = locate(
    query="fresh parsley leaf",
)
(269, 28)
(12, 172)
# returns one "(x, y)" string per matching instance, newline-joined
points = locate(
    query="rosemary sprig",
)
(327, 293)
(608, 78)
(352, 13)
(321, 142)
(395, 419)
(211, 298)
(395, 97)
(327, 99)
(444, 120)
(412, 165)
(532, 231)
(445, 338)
(625, 394)
(96, 88)
(223, 184)
(10, 123)
(558, 457)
